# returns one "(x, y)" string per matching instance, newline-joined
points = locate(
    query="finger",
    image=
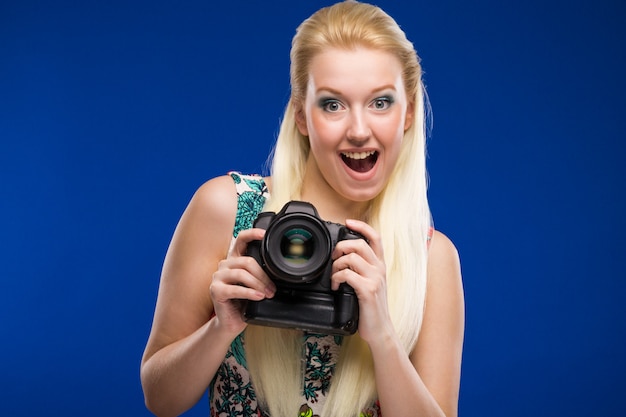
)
(243, 239)
(351, 261)
(245, 271)
(372, 236)
(343, 247)
(358, 246)
(340, 277)
(347, 276)
(222, 292)
(238, 284)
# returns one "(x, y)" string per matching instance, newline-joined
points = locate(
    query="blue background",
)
(113, 113)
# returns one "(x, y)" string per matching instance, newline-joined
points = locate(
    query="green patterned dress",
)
(231, 391)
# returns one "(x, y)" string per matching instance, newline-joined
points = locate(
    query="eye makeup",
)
(329, 104)
(383, 102)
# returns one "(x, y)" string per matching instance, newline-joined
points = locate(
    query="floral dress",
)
(231, 391)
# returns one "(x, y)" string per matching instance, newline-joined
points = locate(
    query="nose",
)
(358, 131)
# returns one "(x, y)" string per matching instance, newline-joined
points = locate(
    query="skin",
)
(355, 102)
(347, 109)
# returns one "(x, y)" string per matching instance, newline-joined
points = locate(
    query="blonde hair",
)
(400, 213)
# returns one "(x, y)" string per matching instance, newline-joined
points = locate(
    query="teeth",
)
(358, 155)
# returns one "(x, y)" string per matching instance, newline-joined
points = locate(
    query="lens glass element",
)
(297, 246)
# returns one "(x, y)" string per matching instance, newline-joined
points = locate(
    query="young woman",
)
(352, 143)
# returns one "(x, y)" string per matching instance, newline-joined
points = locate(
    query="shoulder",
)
(442, 253)
(216, 201)
(212, 210)
(218, 195)
(444, 281)
(438, 352)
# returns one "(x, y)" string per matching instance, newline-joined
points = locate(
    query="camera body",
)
(296, 255)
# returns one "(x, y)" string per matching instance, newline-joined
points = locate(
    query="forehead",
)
(360, 68)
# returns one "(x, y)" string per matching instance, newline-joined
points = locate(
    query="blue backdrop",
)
(113, 112)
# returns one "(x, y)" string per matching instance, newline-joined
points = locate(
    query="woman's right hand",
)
(239, 277)
(198, 314)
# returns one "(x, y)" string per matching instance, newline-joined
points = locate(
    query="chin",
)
(362, 195)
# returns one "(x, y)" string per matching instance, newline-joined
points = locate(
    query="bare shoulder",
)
(443, 254)
(218, 197)
(437, 355)
(201, 239)
(209, 218)
(445, 300)
(444, 281)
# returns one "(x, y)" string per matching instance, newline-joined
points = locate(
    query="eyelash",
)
(387, 100)
(326, 102)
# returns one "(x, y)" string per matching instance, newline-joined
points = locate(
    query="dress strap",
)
(252, 192)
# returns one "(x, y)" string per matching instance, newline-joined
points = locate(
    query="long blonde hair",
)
(400, 213)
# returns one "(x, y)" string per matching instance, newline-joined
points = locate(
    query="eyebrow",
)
(337, 92)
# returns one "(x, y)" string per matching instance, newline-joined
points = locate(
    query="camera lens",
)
(297, 246)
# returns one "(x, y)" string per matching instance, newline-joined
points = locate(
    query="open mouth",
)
(360, 161)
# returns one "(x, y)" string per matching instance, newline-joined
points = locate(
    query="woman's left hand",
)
(362, 266)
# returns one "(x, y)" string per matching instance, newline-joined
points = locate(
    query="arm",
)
(186, 346)
(426, 383)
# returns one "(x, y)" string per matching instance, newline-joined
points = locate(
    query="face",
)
(355, 114)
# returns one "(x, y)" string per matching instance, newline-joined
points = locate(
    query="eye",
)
(330, 105)
(382, 103)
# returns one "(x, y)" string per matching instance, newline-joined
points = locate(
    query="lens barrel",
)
(296, 247)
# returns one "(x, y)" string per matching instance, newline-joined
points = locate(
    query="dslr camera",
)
(296, 254)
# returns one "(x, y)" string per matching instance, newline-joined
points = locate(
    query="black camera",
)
(296, 255)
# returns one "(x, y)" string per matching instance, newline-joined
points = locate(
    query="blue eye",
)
(330, 105)
(382, 103)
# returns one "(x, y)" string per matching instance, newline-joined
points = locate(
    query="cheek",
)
(391, 130)
(322, 132)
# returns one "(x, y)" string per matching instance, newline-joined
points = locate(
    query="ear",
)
(409, 116)
(298, 111)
